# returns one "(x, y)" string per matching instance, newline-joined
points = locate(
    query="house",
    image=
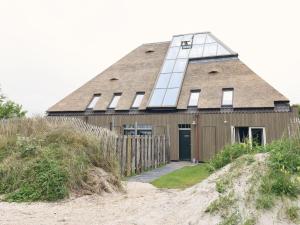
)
(193, 89)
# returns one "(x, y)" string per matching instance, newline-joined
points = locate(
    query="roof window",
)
(93, 102)
(114, 102)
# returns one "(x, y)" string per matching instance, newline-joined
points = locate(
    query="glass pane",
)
(183, 53)
(168, 66)
(227, 97)
(163, 80)
(199, 39)
(176, 41)
(180, 65)
(187, 37)
(115, 101)
(173, 52)
(138, 100)
(210, 50)
(157, 97)
(209, 39)
(222, 50)
(93, 102)
(171, 97)
(194, 98)
(196, 51)
(175, 81)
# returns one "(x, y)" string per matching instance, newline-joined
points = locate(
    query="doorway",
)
(184, 142)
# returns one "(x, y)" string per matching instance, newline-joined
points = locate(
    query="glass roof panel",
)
(176, 80)
(183, 53)
(187, 37)
(199, 39)
(222, 50)
(168, 66)
(171, 97)
(163, 80)
(180, 65)
(209, 39)
(196, 51)
(181, 50)
(210, 50)
(157, 97)
(173, 52)
(176, 41)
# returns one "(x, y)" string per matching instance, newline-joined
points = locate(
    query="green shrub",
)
(42, 161)
(44, 180)
(228, 154)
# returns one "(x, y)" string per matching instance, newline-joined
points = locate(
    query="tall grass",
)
(42, 160)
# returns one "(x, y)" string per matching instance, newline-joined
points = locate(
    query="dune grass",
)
(183, 178)
(40, 161)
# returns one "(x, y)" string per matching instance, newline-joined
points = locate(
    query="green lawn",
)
(182, 178)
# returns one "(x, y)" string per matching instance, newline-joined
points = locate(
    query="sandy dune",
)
(142, 204)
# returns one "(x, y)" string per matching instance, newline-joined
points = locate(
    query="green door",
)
(185, 145)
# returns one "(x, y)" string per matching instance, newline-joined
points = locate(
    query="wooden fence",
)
(141, 153)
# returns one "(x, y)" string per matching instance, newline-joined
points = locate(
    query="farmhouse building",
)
(193, 89)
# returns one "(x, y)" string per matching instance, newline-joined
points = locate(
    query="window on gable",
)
(227, 99)
(114, 102)
(194, 98)
(138, 99)
(93, 102)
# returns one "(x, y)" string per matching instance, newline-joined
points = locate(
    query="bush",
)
(228, 154)
(42, 161)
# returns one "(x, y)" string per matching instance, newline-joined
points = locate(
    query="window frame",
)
(135, 97)
(114, 96)
(191, 92)
(232, 98)
(98, 95)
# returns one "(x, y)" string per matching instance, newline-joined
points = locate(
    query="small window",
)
(194, 98)
(93, 102)
(186, 44)
(227, 99)
(113, 79)
(115, 101)
(138, 99)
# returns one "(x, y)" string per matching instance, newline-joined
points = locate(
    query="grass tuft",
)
(41, 161)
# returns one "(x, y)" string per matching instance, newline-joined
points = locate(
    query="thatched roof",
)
(137, 72)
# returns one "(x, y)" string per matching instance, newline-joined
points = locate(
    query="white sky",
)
(48, 48)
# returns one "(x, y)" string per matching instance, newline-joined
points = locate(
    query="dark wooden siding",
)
(211, 132)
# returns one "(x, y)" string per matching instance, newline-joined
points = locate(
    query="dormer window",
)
(93, 102)
(137, 100)
(227, 99)
(194, 98)
(114, 102)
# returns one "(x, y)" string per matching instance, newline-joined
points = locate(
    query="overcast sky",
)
(48, 48)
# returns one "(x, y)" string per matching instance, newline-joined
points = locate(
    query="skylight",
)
(138, 100)
(115, 101)
(227, 99)
(194, 97)
(94, 101)
(181, 50)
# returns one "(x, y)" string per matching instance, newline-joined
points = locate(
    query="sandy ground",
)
(142, 204)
